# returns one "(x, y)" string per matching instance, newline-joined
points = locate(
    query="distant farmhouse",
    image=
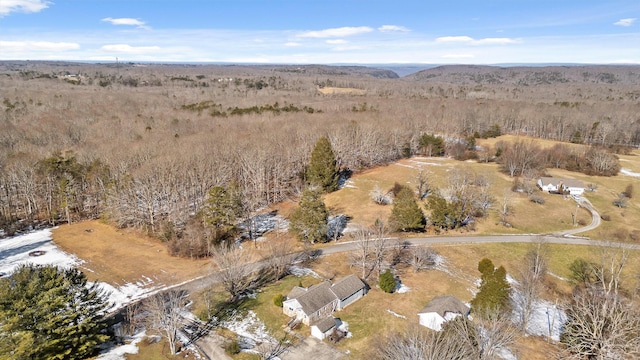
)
(315, 305)
(561, 186)
(440, 310)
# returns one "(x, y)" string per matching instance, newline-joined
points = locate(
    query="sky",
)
(323, 31)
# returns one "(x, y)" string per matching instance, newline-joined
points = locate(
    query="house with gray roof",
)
(440, 310)
(316, 303)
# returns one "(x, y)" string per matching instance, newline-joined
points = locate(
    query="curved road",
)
(564, 237)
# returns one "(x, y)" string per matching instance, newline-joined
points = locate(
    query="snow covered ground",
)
(14, 251)
(629, 173)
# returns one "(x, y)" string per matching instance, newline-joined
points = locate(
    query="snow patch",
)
(402, 288)
(14, 251)
(344, 327)
(300, 272)
(251, 330)
(119, 352)
(629, 173)
(396, 314)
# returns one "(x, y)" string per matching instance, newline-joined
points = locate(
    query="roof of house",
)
(316, 298)
(347, 287)
(296, 292)
(325, 324)
(443, 304)
(319, 295)
(557, 181)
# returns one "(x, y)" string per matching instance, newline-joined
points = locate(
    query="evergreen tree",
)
(322, 171)
(494, 292)
(387, 281)
(406, 215)
(441, 212)
(431, 145)
(222, 209)
(309, 221)
(50, 313)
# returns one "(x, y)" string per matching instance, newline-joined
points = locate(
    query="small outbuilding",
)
(324, 327)
(440, 310)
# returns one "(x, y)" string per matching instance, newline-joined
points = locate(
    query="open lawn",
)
(337, 90)
(120, 257)
(526, 217)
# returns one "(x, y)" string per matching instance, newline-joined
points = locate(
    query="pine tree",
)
(406, 215)
(222, 209)
(50, 313)
(322, 171)
(387, 281)
(494, 292)
(309, 221)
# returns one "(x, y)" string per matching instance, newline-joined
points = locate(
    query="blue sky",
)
(322, 31)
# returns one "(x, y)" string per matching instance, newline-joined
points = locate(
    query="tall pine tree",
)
(322, 171)
(494, 292)
(50, 313)
(406, 215)
(309, 221)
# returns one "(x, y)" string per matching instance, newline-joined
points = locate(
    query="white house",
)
(311, 305)
(440, 310)
(324, 327)
(557, 185)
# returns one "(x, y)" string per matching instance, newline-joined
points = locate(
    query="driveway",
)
(311, 348)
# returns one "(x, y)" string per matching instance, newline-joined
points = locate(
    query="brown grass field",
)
(121, 256)
(337, 90)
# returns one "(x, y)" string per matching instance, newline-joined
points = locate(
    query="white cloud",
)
(392, 28)
(454, 39)
(472, 41)
(336, 41)
(16, 46)
(496, 41)
(126, 21)
(291, 44)
(336, 32)
(625, 22)
(25, 6)
(128, 49)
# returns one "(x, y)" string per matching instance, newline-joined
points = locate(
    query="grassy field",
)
(119, 257)
(527, 217)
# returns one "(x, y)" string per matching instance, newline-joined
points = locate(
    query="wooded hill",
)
(142, 144)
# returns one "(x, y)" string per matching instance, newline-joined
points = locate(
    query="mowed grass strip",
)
(120, 256)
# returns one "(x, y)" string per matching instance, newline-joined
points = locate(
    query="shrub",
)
(232, 347)
(537, 199)
(605, 217)
(278, 300)
(621, 201)
(387, 281)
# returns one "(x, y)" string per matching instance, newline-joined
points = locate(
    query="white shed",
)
(440, 310)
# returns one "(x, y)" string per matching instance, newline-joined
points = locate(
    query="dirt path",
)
(212, 345)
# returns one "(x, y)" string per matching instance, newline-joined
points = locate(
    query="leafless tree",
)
(418, 343)
(279, 257)
(602, 322)
(372, 248)
(531, 274)
(422, 183)
(233, 269)
(164, 315)
(422, 257)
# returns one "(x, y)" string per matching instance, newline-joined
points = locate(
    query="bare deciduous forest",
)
(142, 144)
